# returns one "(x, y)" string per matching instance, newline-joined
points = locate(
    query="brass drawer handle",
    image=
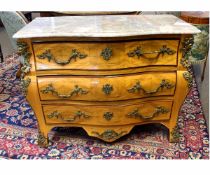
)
(138, 51)
(108, 135)
(50, 89)
(78, 114)
(49, 56)
(158, 110)
(163, 84)
(106, 53)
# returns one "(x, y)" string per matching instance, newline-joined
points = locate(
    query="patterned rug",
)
(18, 132)
(9, 62)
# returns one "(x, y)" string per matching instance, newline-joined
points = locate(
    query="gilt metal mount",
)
(189, 78)
(109, 135)
(163, 84)
(23, 50)
(158, 110)
(139, 52)
(107, 89)
(106, 53)
(42, 140)
(78, 114)
(186, 48)
(24, 83)
(108, 115)
(74, 55)
(50, 89)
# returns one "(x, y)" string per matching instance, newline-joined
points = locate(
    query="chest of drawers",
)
(105, 74)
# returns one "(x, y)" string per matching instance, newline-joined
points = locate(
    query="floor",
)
(202, 86)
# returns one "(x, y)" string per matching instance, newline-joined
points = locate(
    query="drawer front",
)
(105, 56)
(106, 88)
(108, 115)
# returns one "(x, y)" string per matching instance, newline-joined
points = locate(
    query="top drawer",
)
(105, 56)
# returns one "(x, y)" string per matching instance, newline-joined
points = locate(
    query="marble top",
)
(105, 26)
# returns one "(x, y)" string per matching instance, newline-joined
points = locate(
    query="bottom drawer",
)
(108, 115)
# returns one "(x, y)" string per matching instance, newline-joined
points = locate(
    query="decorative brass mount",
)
(107, 89)
(24, 83)
(74, 54)
(23, 50)
(189, 78)
(138, 51)
(50, 89)
(163, 84)
(158, 110)
(186, 47)
(108, 115)
(42, 140)
(109, 135)
(78, 114)
(106, 53)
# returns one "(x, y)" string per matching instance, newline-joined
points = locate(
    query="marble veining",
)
(105, 26)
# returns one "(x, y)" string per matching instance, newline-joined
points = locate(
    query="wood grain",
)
(94, 86)
(93, 61)
(96, 116)
(121, 72)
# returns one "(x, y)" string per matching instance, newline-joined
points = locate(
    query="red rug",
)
(18, 132)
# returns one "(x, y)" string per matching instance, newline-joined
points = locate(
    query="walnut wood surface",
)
(120, 84)
(94, 60)
(118, 125)
(96, 115)
(201, 17)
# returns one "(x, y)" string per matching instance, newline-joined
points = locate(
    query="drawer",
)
(105, 56)
(108, 88)
(108, 115)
